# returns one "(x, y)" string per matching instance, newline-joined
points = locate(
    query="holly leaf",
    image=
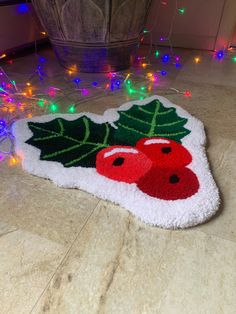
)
(72, 143)
(152, 119)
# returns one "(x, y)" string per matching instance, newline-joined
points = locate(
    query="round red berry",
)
(164, 152)
(122, 163)
(169, 184)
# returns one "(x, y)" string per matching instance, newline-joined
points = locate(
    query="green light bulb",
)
(182, 10)
(234, 59)
(157, 53)
(128, 82)
(53, 107)
(71, 109)
(142, 87)
(131, 91)
(40, 103)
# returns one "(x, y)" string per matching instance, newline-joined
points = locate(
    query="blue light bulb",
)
(23, 8)
(166, 58)
(77, 80)
(220, 54)
(42, 59)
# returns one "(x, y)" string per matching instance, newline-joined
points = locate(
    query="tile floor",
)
(65, 251)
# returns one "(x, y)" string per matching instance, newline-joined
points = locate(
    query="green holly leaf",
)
(152, 119)
(72, 143)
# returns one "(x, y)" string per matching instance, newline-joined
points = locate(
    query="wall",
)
(233, 42)
(198, 28)
(18, 28)
(205, 25)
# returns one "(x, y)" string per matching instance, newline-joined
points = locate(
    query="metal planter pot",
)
(93, 35)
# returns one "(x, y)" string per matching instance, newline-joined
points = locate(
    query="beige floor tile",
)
(209, 70)
(214, 105)
(200, 275)
(80, 286)
(27, 262)
(39, 206)
(119, 265)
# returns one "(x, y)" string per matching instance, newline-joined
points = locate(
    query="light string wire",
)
(6, 134)
(14, 98)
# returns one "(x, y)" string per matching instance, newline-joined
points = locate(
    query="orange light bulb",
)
(13, 161)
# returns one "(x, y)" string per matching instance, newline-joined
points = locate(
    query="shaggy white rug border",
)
(167, 214)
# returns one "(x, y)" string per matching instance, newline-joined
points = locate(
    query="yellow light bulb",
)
(197, 59)
(3, 56)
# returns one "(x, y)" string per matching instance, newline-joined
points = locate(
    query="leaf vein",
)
(83, 156)
(87, 131)
(153, 123)
(45, 138)
(106, 135)
(171, 134)
(131, 129)
(61, 126)
(172, 123)
(134, 118)
(63, 151)
(167, 111)
(145, 110)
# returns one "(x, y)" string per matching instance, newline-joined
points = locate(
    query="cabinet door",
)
(204, 24)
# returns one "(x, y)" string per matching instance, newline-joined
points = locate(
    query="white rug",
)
(163, 203)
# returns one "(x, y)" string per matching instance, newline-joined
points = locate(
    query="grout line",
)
(65, 257)
(6, 233)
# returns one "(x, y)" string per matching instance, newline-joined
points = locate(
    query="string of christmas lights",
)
(25, 100)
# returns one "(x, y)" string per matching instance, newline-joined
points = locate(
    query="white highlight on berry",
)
(156, 141)
(120, 150)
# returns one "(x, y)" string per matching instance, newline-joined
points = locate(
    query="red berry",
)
(169, 184)
(122, 163)
(164, 152)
